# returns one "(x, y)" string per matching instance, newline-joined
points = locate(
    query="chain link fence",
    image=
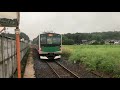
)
(8, 64)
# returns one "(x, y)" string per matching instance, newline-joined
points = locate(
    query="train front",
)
(50, 46)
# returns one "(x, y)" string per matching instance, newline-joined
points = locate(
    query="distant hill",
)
(98, 36)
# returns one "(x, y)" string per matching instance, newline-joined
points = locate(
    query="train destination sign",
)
(9, 19)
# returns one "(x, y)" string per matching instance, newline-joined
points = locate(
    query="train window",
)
(49, 40)
(56, 40)
(43, 40)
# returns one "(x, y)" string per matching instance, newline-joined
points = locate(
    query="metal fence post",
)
(1, 61)
(12, 57)
(2, 43)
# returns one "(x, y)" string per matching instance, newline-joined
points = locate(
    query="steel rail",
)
(67, 70)
(53, 70)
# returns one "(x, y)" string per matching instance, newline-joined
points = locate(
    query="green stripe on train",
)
(51, 49)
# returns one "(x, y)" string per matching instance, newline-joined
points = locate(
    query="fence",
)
(8, 64)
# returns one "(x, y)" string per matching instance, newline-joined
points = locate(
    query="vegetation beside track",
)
(104, 58)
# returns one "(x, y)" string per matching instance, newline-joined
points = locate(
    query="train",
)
(49, 46)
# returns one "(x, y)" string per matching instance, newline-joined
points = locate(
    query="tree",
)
(102, 42)
(23, 35)
(68, 42)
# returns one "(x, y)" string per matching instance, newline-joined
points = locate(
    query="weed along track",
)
(61, 71)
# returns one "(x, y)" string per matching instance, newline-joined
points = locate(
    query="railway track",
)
(100, 75)
(61, 71)
(89, 73)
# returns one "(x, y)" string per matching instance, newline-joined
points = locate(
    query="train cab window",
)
(49, 40)
(43, 39)
(56, 40)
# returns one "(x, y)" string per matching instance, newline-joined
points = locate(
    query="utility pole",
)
(17, 32)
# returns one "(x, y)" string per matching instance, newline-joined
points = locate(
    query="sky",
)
(33, 23)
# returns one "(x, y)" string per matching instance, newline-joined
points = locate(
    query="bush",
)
(66, 52)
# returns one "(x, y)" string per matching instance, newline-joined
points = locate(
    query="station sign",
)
(9, 19)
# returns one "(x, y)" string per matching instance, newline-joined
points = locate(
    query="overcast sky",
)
(33, 23)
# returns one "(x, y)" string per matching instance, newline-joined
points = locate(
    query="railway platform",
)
(29, 70)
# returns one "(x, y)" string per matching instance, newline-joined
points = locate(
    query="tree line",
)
(80, 38)
(98, 37)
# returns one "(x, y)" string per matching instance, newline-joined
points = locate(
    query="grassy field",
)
(105, 58)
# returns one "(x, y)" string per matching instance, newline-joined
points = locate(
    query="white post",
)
(61, 42)
(39, 42)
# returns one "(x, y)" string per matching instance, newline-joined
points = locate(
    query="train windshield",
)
(49, 40)
(55, 40)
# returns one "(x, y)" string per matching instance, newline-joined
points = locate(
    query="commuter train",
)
(49, 46)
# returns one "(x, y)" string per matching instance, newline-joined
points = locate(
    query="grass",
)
(105, 58)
